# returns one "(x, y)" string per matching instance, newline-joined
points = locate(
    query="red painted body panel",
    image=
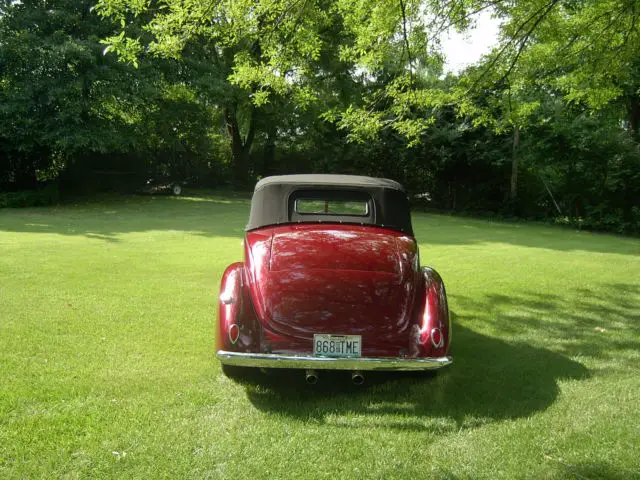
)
(235, 310)
(333, 279)
(302, 279)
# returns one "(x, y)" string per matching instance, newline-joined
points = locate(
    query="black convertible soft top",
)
(274, 198)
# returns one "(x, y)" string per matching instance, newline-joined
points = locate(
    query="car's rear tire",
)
(176, 189)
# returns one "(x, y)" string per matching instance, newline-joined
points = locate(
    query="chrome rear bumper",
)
(270, 360)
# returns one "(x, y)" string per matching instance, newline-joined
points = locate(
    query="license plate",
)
(337, 345)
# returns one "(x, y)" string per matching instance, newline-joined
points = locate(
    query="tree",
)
(583, 52)
(275, 51)
(64, 105)
(60, 96)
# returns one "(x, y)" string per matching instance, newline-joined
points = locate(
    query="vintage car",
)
(161, 186)
(331, 280)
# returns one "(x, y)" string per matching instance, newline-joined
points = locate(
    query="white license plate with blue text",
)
(337, 345)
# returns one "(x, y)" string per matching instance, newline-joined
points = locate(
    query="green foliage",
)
(591, 165)
(227, 92)
(273, 51)
(586, 52)
(47, 195)
(55, 82)
(126, 48)
(64, 99)
(586, 163)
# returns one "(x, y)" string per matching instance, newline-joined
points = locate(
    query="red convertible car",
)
(331, 280)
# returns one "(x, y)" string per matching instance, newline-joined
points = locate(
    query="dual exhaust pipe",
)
(357, 378)
(311, 377)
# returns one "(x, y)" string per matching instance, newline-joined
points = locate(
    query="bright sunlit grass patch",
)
(107, 362)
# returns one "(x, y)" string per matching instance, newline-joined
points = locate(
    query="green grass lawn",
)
(107, 364)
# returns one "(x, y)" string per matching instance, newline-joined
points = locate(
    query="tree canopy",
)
(586, 51)
(545, 124)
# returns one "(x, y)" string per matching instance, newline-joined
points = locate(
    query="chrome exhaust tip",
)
(311, 377)
(357, 377)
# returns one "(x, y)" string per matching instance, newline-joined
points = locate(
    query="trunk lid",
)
(337, 280)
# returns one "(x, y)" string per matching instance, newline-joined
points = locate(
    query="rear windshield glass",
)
(328, 205)
(315, 206)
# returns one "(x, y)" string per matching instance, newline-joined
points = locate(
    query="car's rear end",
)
(347, 294)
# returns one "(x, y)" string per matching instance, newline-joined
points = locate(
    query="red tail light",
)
(436, 338)
(433, 329)
(234, 333)
(430, 309)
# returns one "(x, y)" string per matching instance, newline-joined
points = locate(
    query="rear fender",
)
(433, 327)
(237, 329)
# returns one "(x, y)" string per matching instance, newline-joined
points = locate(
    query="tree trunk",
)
(515, 158)
(86, 100)
(240, 148)
(603, 188)
(634, 116)
(269, 154)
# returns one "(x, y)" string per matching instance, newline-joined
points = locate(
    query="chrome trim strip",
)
(270, 360)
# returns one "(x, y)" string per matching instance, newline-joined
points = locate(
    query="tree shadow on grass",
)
(106, 218)
(601, 323)
(591, 471)
(449, 230)
(490, 380)
(225, 215)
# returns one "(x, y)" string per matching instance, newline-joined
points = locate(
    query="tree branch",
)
(526, 39)
(577, 53)
(248, 140)
(515, 40)
(445, 26)
(406, 38)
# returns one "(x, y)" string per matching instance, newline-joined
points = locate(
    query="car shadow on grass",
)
(490, 380)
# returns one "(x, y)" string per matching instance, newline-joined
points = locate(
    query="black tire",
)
(237, 374)
(421, 374)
